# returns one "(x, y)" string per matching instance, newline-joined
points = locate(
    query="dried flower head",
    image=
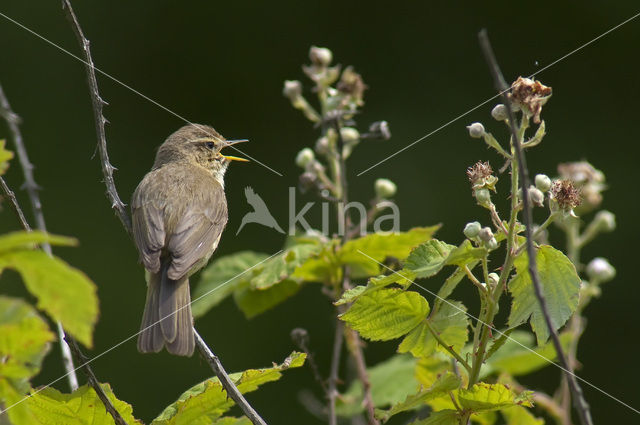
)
(565, 194)
(530, 96)
(352, 85)
(589, 180)
(481, 176)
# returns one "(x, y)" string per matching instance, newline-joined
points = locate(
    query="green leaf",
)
(281, 266)
(207, 401)
(228, 420)
(350, 295)
(451, 324)
(221, 278)
(429, 258)
(450, 284)
(518, 415)
(485, 397)
(323, 267)
(518, 356)
(465, 254)
(443, 417)
(27, 240)
(253, 302)
(447, 382)
(5, 157)
(429, 368)
(391, 382)
(63, 292)
(560, 289)
(364, 254)
(386, 314)
(82, 407)
(24, 339)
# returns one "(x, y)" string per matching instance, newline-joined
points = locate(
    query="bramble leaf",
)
(5, 157)
(443, 417)
(386, 314)
(429, 258)
(484, 397)
(560, 288)
(518, 415)
(281, 266)
(63, 292)
(27, 240)
(229, 420)
(221, 278)
(253, 302)
(207, 401)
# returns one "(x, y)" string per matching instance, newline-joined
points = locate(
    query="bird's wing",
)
(198, 230)
(148, 226)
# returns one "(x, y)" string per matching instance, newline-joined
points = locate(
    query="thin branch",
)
(227, 383)
(123, 215)
(332, 392)
(14, 205)
(119, 420)
(580, 403)
(32, 190)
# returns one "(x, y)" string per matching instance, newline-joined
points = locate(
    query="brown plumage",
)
(179, 212)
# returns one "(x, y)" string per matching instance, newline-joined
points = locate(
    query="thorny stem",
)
(32, 190)
(448, 347)
(579, 401)
(125, 219)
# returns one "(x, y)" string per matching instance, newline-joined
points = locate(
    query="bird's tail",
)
(167, 316)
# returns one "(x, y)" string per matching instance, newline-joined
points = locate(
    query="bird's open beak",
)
(231, 143)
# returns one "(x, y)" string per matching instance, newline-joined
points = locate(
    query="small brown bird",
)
(179, 211)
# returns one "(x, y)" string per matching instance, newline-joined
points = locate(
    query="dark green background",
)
(223, 63)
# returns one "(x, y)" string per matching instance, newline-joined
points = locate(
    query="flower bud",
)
(304, 157)
(385, 188)
(476, 130)
(485, 234)
(499, 112)
(380, 130)
(292, 89)
(605, 221)
(472, 229)
(322, 146)
(493, 279)
(349, 135)
(543, 182)
(320, 56)
(483, 196)
(492, 244)
(600, 269)
(536, 196)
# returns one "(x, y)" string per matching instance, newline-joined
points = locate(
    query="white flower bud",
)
(476, 130)
(322, 146)
(483, 196)
(492, 244)
(304, 157)
(472, 229)
(543, 182)
(600, 269)
(292, 89)
(499, 112)
(605, 220)
(320, 56)
(493, 278)
(385, 188)
(485, 234)
(536, 196)
(349, 135)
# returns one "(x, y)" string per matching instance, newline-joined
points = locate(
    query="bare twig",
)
(300, 337)
(14, 205)
(580, 403)
(119, 420)
(32, 190)
(332, 392)
(227, 383)
(125, 219)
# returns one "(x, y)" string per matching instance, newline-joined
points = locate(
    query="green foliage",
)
(207, 401)
(560, 287)
(518, 415)
(484, 397)
(253, 302)
(5, 157)
(65, 293)
(443, 417)
(281, 266)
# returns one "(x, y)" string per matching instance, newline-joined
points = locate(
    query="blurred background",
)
(224, 63)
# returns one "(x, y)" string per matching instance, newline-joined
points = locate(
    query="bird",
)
(260, 213)
(179, 211)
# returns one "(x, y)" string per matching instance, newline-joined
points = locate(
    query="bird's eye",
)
(210, 145)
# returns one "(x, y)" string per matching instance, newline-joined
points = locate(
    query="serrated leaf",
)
(323, 267)
(27, 240)
(444, 384)
(486, 397)
(24, 339)
(281, 266)
(429, 258)
(429, 368)
(443, 417)
(465, 254)
(350, 295)
(63, 292)
(207, 401)
(221, 277)
(363, 254)
(82, 407)
(253, 302)
(5, 157)
(228, 420)
(560, 287)
(391, 382)
(451, 324)
(386, 314)
(518, 415)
